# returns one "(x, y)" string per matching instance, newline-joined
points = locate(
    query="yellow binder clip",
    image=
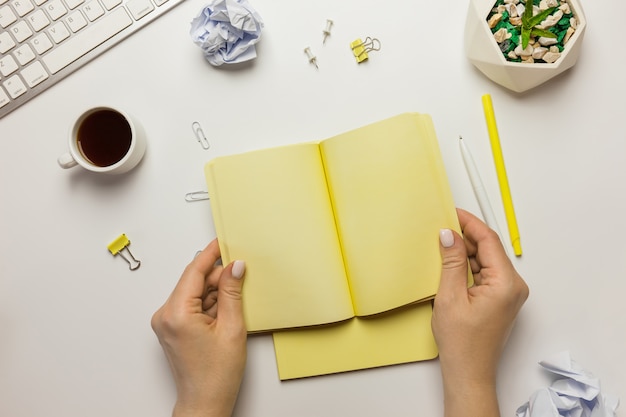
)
(118, 245)
(361, 48)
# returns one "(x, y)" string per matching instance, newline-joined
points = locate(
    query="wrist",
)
(182, 409)
(461, 367)
(470, 396)
(196, 403)
(471, 401)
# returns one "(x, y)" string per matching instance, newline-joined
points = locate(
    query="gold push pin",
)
(361, 48)
(118, 245)
(311, 57)
(326, 32)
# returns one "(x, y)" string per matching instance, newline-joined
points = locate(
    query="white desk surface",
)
(75, 322)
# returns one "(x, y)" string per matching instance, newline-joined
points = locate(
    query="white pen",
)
(479, 189)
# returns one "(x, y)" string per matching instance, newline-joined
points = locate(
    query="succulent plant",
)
(529, 21)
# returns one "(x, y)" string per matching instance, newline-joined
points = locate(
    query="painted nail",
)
(446, 238)
(238, 269)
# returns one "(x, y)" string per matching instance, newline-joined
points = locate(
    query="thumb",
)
(453, 264)
(229, 300)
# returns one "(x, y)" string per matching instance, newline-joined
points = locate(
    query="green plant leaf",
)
(529, 22)
(525, 37)
(539, 17)
(528, 13)
(542, 32)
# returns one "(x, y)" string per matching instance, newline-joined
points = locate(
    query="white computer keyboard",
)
(42, 41)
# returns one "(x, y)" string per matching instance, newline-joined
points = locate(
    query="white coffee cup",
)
(106, 140)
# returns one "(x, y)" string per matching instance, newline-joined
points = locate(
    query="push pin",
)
(361, 48)
(120, 244)
(311, 57)
(326, 32)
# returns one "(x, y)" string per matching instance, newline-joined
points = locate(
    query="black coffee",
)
(104, 137)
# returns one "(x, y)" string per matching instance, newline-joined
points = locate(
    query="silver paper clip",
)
(197, 196)
(200, 136)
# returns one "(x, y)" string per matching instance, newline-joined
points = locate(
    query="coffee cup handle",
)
(66, 161)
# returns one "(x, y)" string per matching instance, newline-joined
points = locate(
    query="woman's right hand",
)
(471, 325)
(202, 331)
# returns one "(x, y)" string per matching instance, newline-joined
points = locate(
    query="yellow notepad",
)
(344, 227)
(400, 336)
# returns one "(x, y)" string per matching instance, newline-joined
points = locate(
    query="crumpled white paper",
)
(226, 31)
(576, 395)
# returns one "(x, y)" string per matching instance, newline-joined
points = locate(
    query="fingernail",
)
(238, 269)
(446, 238)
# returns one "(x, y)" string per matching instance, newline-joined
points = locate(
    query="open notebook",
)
(342, 228)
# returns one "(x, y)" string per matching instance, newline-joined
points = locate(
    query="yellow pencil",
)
(505, 191)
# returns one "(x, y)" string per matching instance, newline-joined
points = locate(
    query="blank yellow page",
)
(391, 197)
(396, 337)
(271, 209)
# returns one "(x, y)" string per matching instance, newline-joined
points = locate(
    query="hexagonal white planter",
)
(483, 51)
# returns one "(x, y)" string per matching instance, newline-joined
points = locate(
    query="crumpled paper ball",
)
(226, 31)
(576, 395)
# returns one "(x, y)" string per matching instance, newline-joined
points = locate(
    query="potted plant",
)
(521, 44)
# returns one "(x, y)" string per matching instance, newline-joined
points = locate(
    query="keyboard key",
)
(55, 9)
(41, 43)
(34, 74)
(91, 37)
(110, 4)
(59, 32)
(23, 7)
(93, 10)
(21, 31)
(6, 42)
(4, 98)
(139, 8)
(38, 20)
(76, 21)
(24, 54)
(72, 4)
(15, 86)
(7, 16)
(8, 65)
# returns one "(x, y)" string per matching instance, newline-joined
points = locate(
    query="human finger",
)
(192, 281)
(453, 283)
(483, 244)
(206, 259)
(209, 303)
(229, 299)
